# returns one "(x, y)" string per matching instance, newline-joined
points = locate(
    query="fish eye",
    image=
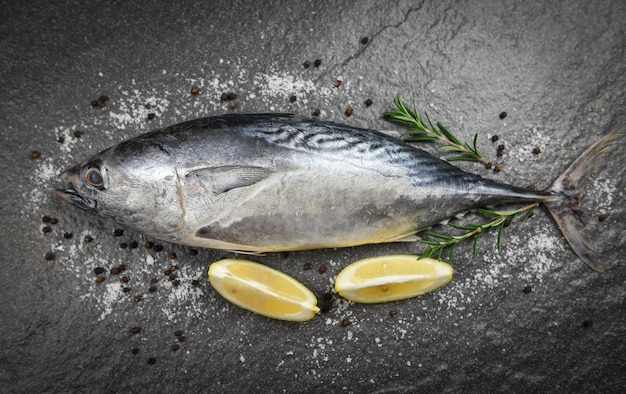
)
(93, 177)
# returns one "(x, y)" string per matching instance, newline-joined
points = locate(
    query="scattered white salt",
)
(606, 190)
(283, 84)
(109, 298)
(46, 171)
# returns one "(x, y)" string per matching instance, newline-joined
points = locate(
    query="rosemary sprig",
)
(427, 131)
(499, 220)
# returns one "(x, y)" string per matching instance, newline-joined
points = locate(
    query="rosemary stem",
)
(499, 220)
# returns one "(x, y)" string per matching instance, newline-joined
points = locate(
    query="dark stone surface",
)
(556, 69)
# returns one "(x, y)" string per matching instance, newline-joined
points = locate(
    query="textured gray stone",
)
(557, 69)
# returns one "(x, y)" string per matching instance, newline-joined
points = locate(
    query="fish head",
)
(134, 184)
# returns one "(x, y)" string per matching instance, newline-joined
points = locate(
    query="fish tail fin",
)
(566, 211)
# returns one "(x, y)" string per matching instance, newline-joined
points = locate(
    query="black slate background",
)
(558, 71)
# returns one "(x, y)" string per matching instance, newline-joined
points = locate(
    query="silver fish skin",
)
(273, 182)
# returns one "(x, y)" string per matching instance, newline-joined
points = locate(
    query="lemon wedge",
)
(391, 278)
(263, 290)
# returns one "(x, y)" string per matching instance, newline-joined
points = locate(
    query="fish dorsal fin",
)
(225, 178)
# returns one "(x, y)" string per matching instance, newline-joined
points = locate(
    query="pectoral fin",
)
(225, 178)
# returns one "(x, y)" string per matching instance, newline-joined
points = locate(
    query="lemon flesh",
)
(262, 290)
(391, 278)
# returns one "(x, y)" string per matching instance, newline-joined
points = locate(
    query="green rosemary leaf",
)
(500, 231)
(448, 134)
(432, 128)
(439, 236)
(427, 242)
(447, 147)
(462, 158)
(452, 251)
(529, 214)
(427, 253)
(398, 117)
(468, 227)
(475, 247)
(510, 219)
(487, 212)
(420, 138)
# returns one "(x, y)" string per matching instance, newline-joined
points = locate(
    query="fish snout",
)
(70, 192)
(71, 175)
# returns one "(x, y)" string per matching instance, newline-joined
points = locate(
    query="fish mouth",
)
(71, 195)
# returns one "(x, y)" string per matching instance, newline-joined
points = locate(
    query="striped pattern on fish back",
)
(365, 148)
